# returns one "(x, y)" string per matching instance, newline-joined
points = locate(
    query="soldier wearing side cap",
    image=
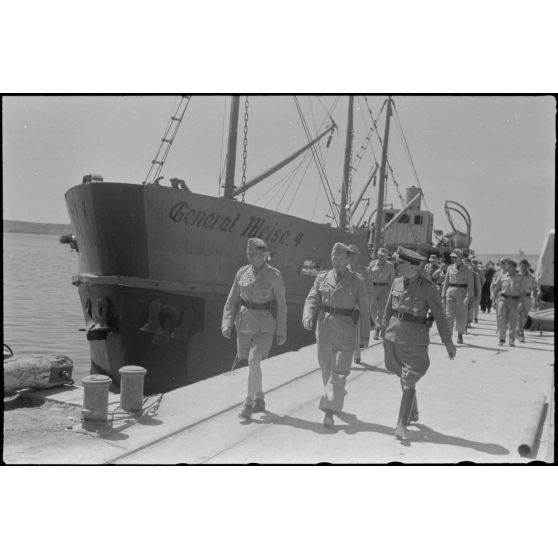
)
(339, 301)
(411, 299)
(362, 272)
(383, 273)
(257, 307)
(457, 290)
(506, 293)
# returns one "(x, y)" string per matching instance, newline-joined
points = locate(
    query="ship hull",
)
(156, 265)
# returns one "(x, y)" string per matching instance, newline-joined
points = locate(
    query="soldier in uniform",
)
(382, 273)
(333, 298)
(474, 301)
(432, 265)
(506, 292)
(528, 293)
(362, 272)
(407, 335)
(257, 307)
(457, 290)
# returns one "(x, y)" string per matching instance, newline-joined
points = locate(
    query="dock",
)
(472, 409)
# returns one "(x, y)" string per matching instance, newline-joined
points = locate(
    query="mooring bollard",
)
(131, 387)
(95, 397)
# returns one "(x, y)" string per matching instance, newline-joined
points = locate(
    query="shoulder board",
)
(274, 270)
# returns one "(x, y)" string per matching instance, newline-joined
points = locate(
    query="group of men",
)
(465, 286)
(399, 299)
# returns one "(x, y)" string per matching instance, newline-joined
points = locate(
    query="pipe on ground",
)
(528, 436)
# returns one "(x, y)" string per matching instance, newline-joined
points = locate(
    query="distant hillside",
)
(36, 228)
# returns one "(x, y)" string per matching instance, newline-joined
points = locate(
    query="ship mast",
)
(378, 236)
(347, 166)
(231, 148)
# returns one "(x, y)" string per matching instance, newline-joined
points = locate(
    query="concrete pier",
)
(471, 409)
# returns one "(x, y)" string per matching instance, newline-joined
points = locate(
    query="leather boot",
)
(414, 416)
(404, 412)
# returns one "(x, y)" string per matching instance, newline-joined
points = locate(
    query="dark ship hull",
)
(155, 268)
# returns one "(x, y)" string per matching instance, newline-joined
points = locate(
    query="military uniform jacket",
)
(349, 293)
(367, 278)
(477, 283)
(414, 297)
(265, 286)
(382, 273)
(461, 275)
(507, 284)
(528, 284)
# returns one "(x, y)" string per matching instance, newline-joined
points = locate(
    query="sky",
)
(492, 154)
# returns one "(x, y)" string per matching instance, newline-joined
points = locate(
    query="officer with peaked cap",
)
(431, 268)
(257, 307)
(339, 301)
(383, 273)
(457, 290)
(407, 336)
(362, 272)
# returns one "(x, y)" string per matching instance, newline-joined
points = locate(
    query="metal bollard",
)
(95, 397)
(131, 387)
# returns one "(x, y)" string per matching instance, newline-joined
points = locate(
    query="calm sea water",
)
(42, 311)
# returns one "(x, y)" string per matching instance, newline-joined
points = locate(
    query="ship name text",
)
(256, 227)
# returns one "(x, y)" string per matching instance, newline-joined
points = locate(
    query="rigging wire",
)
(407, 150)
(221, 162)
(321, 171)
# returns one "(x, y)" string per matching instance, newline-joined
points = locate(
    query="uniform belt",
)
(404, 317)
(381, 284)
(256, 305)
(338, 311)
(509, 296)
(458, 285)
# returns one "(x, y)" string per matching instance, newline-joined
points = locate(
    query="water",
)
(42, 311)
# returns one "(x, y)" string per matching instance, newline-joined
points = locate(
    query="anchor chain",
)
(245, 151)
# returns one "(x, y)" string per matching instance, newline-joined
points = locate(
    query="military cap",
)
(524, 261)
(504, 260)
(457, 252)
(433, 258)
(383, 252)
(474, 260)
(512, 262)
(406, 255)
(353, 249)
(340, 247)
(257, 243)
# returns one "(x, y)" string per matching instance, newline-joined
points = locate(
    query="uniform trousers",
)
(507, 317)
(254, 347)
(409, 362)
(456, 311)
(523, 311)
(378, 305)
(474, 303)
(336, 366)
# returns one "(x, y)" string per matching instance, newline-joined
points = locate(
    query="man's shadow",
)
(353, 425)
(424, 434)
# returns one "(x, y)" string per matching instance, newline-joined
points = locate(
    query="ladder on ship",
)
(166, 142)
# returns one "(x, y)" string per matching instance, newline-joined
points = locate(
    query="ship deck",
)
(472, 409)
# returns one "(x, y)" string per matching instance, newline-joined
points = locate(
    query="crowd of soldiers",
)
(399, 297)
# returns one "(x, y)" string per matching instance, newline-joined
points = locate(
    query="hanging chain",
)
(245, 152)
